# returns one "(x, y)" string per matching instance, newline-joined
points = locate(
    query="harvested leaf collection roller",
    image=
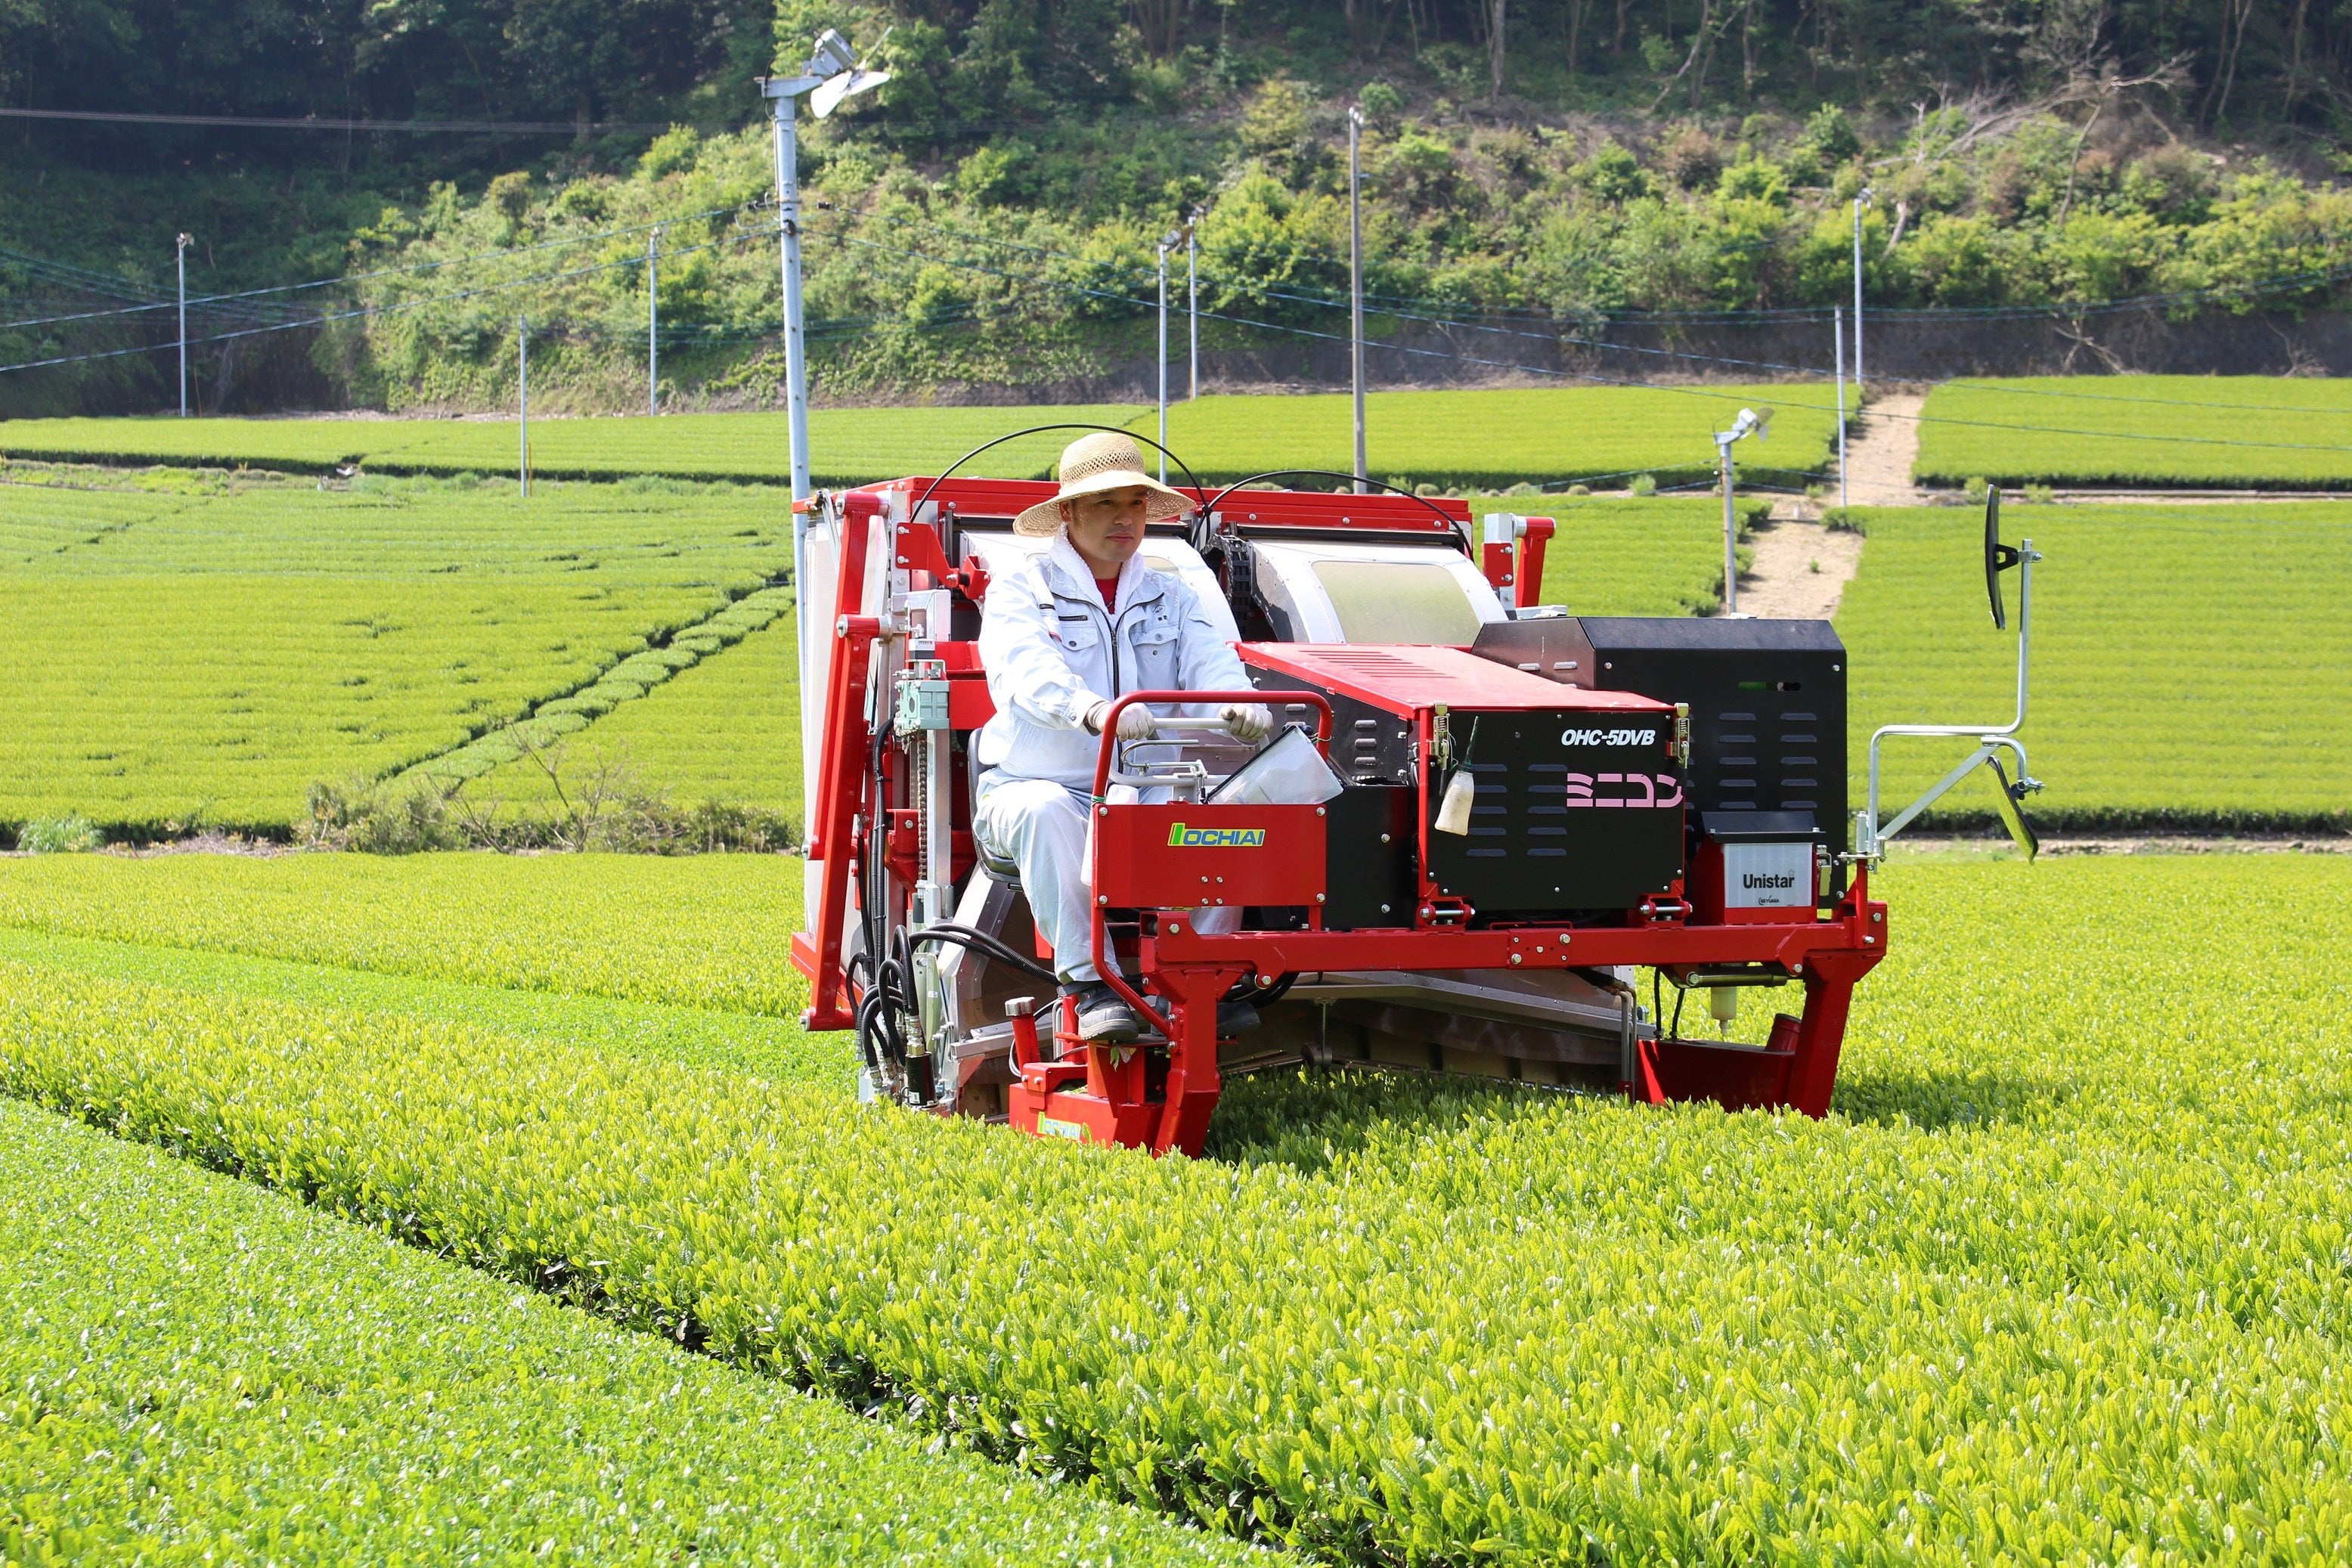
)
(1521, 806)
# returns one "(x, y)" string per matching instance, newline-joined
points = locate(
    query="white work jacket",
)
(1053, 649)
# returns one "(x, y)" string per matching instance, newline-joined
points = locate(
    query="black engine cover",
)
(1767, 699)
(1572, 818)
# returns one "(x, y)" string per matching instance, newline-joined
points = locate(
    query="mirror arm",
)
(1869, 836)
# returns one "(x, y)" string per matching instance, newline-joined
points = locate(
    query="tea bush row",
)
(626, 681)
(2175, 652)
(1482, 439)
(170, 660)
(2261, 432)
(703, 931)
(1488, 439)
(198, 1370)
(2066, 1280)
(847, 446)
(735, 1042)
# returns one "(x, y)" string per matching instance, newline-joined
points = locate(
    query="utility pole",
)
(831, 75)
(1837, 348)
(1356, 284)
(653, 321)
(181, 257)
(1860, 202)
(1192, 286)
(523, 403)
(1167, 243)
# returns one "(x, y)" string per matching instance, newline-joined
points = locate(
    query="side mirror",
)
(1999, 557)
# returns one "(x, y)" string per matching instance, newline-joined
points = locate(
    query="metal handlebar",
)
(1107, 751)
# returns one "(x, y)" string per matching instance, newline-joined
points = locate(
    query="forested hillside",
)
(992, 217)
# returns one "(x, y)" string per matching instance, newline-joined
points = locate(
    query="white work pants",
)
(1041, 827)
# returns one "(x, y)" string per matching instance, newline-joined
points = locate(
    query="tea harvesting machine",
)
(1667, 793)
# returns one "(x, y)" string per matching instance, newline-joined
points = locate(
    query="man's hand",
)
(1135, 721)
(1248, 722)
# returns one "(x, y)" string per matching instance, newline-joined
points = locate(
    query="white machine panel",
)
(1343, 592)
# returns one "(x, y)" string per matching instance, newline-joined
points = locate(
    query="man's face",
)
(1107, 526)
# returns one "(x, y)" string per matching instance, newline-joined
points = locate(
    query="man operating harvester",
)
(1075, 627)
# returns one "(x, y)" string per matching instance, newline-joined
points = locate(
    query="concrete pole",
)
(788, 218)
(1193, 297)
(653, 322)
(1164, 246)
(522, 404)
(1730, 535)
(1837, 348)
(1859, 202)
(181, 257)
(1356, 284)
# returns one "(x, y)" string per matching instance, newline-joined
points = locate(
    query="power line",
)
(159, 304)
(1614, 381)
(313, 122)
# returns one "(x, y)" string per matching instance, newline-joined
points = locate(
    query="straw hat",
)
(1101, 461)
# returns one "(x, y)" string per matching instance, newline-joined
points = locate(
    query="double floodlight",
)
(1755, 422)
(832, 74)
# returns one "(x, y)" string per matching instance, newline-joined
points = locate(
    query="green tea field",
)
(2062, 1277)
(849, 445)
(1482, 439)
(2177, 654)
(1488, 439)
(201, 657)
(2238, 432)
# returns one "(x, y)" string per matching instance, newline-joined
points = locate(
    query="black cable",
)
(1263, 996)
(987, 946)
(1443, 516)
(917, 509)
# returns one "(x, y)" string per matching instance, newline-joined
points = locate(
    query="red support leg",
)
(1192, 1081)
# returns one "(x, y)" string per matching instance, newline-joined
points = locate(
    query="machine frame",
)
(890, 825)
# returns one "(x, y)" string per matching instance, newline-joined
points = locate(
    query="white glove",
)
(1135, 722)
(1248, 722)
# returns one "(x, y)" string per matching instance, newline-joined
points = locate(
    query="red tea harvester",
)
(1668, 793)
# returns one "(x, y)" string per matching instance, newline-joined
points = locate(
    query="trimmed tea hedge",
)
(2178, 652)
(198, 1370)
(2065, 1281)
(705, 932)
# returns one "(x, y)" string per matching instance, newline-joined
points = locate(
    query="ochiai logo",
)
(1640, 791)
(1182, 837)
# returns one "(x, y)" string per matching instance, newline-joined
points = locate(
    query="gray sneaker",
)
(1104, 1016)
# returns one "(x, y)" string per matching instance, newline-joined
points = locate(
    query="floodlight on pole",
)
(1356, 285)
(181, 257)
(831, 74)
(1861, 200)
(1752, 422)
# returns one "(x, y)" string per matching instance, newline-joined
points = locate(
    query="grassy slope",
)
(2298, 432)
(202, 1370)
(207, 656)
(847, 446)
(1488, 439)
(1951, 1280)
(2178, 656)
